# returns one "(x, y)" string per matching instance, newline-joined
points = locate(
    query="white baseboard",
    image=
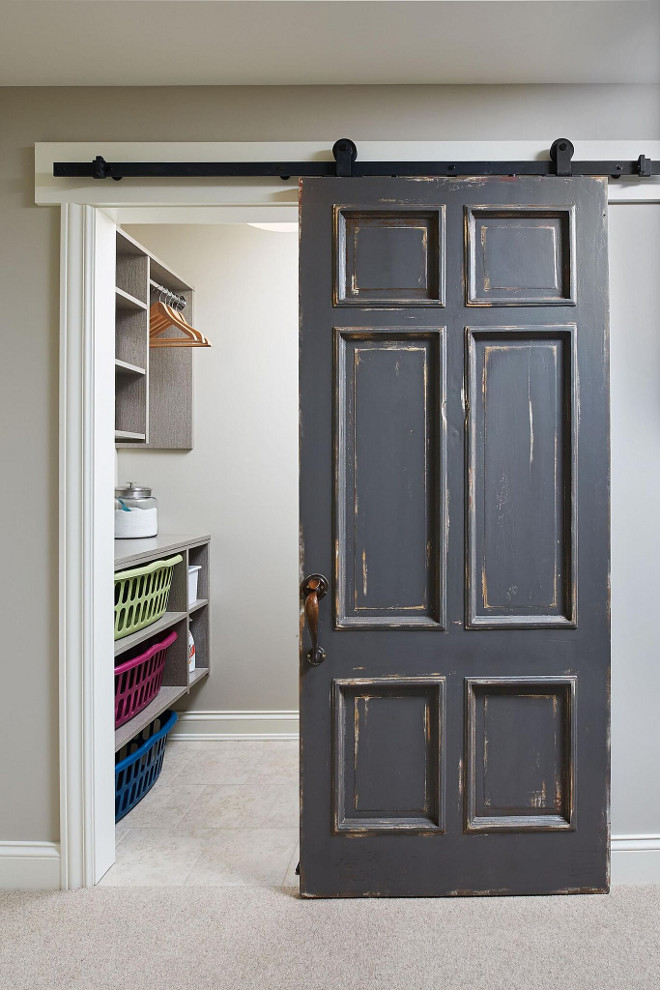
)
(29, 865)
(196, 726)
(635, 859)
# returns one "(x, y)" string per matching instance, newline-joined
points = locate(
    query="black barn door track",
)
(346, 164)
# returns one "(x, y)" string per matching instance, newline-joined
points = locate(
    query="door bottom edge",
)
(428, 895)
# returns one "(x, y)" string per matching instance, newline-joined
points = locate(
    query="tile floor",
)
(221, 814)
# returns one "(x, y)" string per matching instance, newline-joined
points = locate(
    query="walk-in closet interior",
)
(206, 569)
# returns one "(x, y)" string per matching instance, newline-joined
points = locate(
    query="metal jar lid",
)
(132, 491)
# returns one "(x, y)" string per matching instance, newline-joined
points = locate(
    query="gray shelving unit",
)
(147, 378)
(181, 616)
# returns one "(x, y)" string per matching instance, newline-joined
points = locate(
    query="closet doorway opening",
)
(212, 432)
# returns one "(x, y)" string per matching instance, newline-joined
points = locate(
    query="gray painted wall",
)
(29, 263)
(635, 376)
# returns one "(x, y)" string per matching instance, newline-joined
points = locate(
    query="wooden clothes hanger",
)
(162, 317)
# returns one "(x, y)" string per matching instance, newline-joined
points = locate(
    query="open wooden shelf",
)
(128, 435)
(161, 625)
(199, 603)
(147, 378)
(177, 679)
(197, 674)
(160, 273)
(165, 698)
(125, 368)
(125, 301)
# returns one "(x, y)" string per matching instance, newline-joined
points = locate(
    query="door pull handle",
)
(314, 588)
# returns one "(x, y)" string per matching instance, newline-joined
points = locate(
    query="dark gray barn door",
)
(454, 493)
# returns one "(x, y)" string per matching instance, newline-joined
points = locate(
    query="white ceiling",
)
(312, 42)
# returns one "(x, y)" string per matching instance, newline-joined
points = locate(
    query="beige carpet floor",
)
(229, 938)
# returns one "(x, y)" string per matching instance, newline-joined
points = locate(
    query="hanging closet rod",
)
(346, 165)
(173, 299)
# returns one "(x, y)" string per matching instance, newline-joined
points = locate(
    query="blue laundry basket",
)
(139, 763)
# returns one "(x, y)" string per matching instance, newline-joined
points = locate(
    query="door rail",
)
(345, 164)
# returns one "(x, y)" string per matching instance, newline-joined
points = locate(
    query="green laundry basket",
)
(141, 595)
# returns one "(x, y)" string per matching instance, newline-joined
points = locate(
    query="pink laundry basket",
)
(138, 681)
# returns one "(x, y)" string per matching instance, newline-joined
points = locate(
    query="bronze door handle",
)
(314, 588)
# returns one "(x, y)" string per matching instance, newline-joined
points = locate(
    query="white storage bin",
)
(193, 575)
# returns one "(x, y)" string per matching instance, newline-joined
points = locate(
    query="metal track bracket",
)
(561, 153)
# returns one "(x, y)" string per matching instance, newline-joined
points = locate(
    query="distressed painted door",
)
(454, 492)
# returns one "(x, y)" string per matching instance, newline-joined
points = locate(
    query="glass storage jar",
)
(136, 512)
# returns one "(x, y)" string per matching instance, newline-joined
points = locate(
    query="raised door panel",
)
(390, 478)
(521, 499)
(520, 738)
(388, 754)
(390, 257)
(520, 256)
